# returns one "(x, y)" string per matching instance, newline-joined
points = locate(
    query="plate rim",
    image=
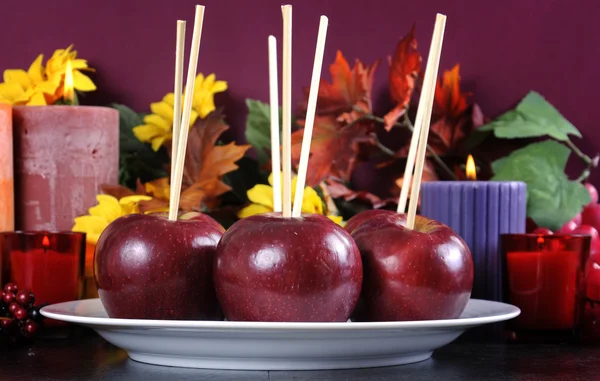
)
(511, 312)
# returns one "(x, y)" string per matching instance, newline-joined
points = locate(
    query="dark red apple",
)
(543, 231)
(364, 216)
(420, 274)
(271, 268)
(591, 216)
(593, 193)
(148, 267)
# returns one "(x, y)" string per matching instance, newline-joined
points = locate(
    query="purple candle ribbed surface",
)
(479, 211)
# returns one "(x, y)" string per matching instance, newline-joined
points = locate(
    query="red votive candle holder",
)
(545, 276)
(49, 264)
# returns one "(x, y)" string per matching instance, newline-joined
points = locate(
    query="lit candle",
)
(62, 156)
(6, 169)
(479, 211)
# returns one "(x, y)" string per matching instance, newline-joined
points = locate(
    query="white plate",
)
(277, 346)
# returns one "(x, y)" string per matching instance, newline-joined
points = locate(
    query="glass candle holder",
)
(49, 264)
(545, 276)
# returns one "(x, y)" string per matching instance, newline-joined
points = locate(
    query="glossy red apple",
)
(147, 267)
(593, 193)
(271, 268)
(591, 216)
(364, 216)
(420, 274)
(542, 231)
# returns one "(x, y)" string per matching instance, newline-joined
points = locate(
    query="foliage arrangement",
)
(224, 181)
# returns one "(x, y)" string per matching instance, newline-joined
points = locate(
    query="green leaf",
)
(533, 117)
(137, 160)
(241, 180)
(552, 199)
(258, 128)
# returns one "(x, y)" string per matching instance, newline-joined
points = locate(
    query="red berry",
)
(5, 324)
(8, 297)
(11, 287)
(591, 216)
(586, 230)
(20, 313)
(593, 193)
(30, 328)
(568, 227)
(25, 298)
(542, 231)
(13, 306)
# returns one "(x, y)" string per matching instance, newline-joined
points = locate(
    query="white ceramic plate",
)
(277, 346)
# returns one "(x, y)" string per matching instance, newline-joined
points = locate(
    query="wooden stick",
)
(286, 100)
(187, 110)
(274, 100)
(179, 54)
(310, 116)
(435, 52)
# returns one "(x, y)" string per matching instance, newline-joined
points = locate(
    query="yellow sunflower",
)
(261, 198)
(107, 210)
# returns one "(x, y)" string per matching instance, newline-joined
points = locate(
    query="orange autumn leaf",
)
(429, 174)
(349, 87)
(449, 100)
(334, 149)
(405, 66)
(206, 163)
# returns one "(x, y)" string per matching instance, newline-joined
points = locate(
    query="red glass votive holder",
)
(49, 264)
(545, 276)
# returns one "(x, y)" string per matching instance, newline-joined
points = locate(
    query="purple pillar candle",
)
(479, 211)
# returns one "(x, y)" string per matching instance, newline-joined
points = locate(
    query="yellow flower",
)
(107, 210)
(29, 87)
(57, 66)
(44, 85)
(158, 126)
(204, 94)
(261, 196)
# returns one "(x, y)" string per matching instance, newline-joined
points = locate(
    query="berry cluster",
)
(19, 318)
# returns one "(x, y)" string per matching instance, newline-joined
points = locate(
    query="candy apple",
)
(364, 216)
(419, 274)
(148, 267)
(272, 268)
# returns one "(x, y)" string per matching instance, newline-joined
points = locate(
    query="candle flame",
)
(470, 169)
(45, 242)
(69, 92)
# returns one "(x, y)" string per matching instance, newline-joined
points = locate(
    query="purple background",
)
(505, 48)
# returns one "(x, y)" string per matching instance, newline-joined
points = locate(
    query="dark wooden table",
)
(89, 357)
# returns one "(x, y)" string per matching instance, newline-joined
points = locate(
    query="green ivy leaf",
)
(533, 117)
(137, 160)
(552, 199)
(258, 128)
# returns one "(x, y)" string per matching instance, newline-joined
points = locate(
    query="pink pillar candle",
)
(7, 216)
(62, 156)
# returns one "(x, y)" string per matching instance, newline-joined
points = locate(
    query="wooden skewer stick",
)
(435, 52)
(275, 147)
(179, 54)
(187, 110)
(310, 116)
(286, 112)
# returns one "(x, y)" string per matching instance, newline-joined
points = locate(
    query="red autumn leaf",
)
(447, 134)
(339, 190)
(429, 174)
(349, 87)
(206, 163)
(449, 100)
(405, 66)
(334, 149)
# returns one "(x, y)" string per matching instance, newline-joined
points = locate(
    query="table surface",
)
(89, 357)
